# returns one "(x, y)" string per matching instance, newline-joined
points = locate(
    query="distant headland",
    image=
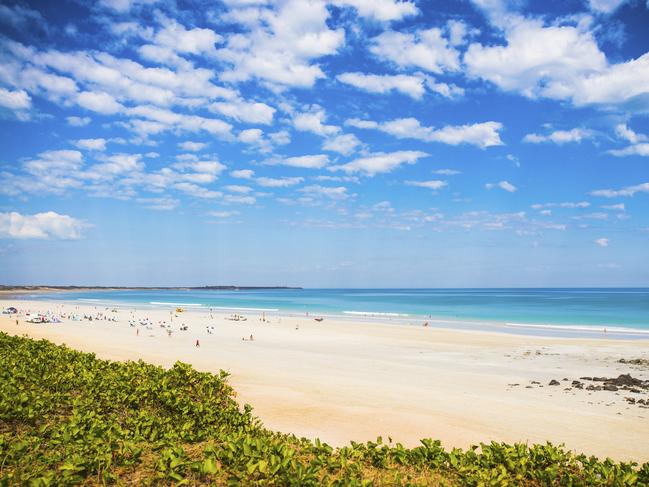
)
(41, 288)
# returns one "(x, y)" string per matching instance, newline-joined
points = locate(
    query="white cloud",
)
(628, 191)
(344, 144)
(560, 136)
(236, 188)
(313, 121)
(334, 193)
(624, 132)
(602, 242)
(206, 167)
(20, 16)
(163, 203)
(15, 100)
(444, 89)
(123, 6)
(423, 49)
(281, 137)
(192, 146)
(361, 124)
(91, 144)
(605, 6)
(380, 162)
(565, 204)
(222, 214)
(243, 111)
(413, 86)
(40, 225)
(569, 67)
(197, 191)
(279, 44)
(504, 185)
(433, 184)
(278, 182)
(316, 161)
(239, 199)
(251, 136)
(617, 207)
(242, 173)
(446, 172)
(381, 10)
(568, 52)
(78, 121)
(99, 102)
(632, 150)
(168, 120)
(114, 165)
(483, 134)
(176, 37)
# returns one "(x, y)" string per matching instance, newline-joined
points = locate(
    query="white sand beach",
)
(353, 380)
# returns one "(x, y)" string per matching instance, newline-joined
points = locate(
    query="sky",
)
(325, 143)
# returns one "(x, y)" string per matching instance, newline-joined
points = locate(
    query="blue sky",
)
(325, 143)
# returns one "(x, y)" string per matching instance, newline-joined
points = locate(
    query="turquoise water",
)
(560, 308)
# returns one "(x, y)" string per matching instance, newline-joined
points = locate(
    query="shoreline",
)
(552, 330)
(341, 381)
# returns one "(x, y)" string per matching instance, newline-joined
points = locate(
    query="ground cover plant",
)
(68, 418)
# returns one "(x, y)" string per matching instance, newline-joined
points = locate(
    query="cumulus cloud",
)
(40, 226)
(380, 162)
(15, 100)
(605, 6)
(98, 144)
(192, 146)
(99, 102)
(602, 242)
(222, 214)
(627, 191)
(344, 144)
(413, 86)
(560, 136)
(632, 150)
(315, 161)
(280, 43)
(313, 121)
(433, 184)
(568, 52)
(624, 132)
(162, 204)
(569, 67)
(565, 204)
(78, 121)
(242, 173)
(446, 172)
(249, 112)
(381, 10)
(483, 135)
(284, 182)
(504, 185)
(334, 193)
(423, 49)
(237, 188)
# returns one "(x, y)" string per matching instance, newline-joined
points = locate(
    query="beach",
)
(343, 380)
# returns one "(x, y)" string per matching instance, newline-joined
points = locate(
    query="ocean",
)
(552, 311)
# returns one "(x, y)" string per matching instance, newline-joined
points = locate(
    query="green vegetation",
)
(67, 417)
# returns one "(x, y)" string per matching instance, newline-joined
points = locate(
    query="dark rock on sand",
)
(554, 382)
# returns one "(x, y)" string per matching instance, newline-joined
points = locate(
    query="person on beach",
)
(16, 322)
(137, 332)
(198, 344)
